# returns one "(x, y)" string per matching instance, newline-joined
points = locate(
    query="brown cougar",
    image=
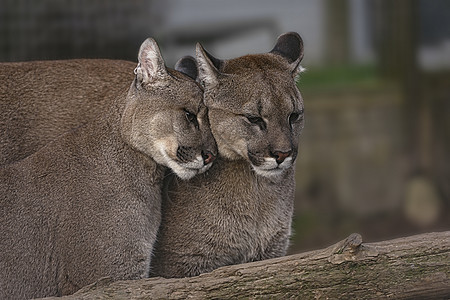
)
(87, 204)
(240, 210)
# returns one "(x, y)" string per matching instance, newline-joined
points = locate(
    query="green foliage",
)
(339, 77)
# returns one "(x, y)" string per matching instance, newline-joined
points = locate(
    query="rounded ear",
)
(151, 67)
(187, 65)
(290, 47)
(208, 67)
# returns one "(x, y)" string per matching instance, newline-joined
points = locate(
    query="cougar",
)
(240, 210)
(87, 204)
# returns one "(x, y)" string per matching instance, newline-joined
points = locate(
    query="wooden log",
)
(404, 268)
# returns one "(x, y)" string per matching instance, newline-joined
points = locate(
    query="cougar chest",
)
(250, 212)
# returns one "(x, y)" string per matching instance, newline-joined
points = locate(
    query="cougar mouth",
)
(188, 160)
(183, 164)
(268, 166)
(187, 170)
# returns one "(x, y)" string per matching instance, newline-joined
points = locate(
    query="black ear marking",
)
(187, 65)
(289, 46)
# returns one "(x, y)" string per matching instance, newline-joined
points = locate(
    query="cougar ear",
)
(187, 65)
(151, 67)
(208, 67)
(290, 47)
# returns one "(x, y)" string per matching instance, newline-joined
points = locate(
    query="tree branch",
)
(411, 267)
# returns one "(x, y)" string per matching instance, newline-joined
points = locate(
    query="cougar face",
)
(177, 134)
(255, 108)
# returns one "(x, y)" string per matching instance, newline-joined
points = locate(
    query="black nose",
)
(281, 156)
(208, 157)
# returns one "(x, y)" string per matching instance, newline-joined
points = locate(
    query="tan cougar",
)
(87, 205)
(241, 209)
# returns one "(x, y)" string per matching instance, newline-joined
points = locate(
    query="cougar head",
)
(255, 108)
(165, 117)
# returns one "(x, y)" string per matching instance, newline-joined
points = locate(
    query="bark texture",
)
(404, 268)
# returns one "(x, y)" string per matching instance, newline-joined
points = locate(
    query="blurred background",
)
(374, 154)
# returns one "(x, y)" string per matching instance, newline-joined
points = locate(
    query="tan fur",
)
(42, 100)
(241, 209)
(87, 205)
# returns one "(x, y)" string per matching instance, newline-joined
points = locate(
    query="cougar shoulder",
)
(241, 209)
(87, 205)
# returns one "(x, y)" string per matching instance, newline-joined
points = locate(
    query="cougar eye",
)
(191, 117)
(295, 116)
(257, 121)
(254, 120)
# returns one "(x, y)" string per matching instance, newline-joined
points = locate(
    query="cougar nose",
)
(208, 157)
(280, 156)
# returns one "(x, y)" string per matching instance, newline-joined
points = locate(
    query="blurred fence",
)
(373, 156)
(53, 29)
